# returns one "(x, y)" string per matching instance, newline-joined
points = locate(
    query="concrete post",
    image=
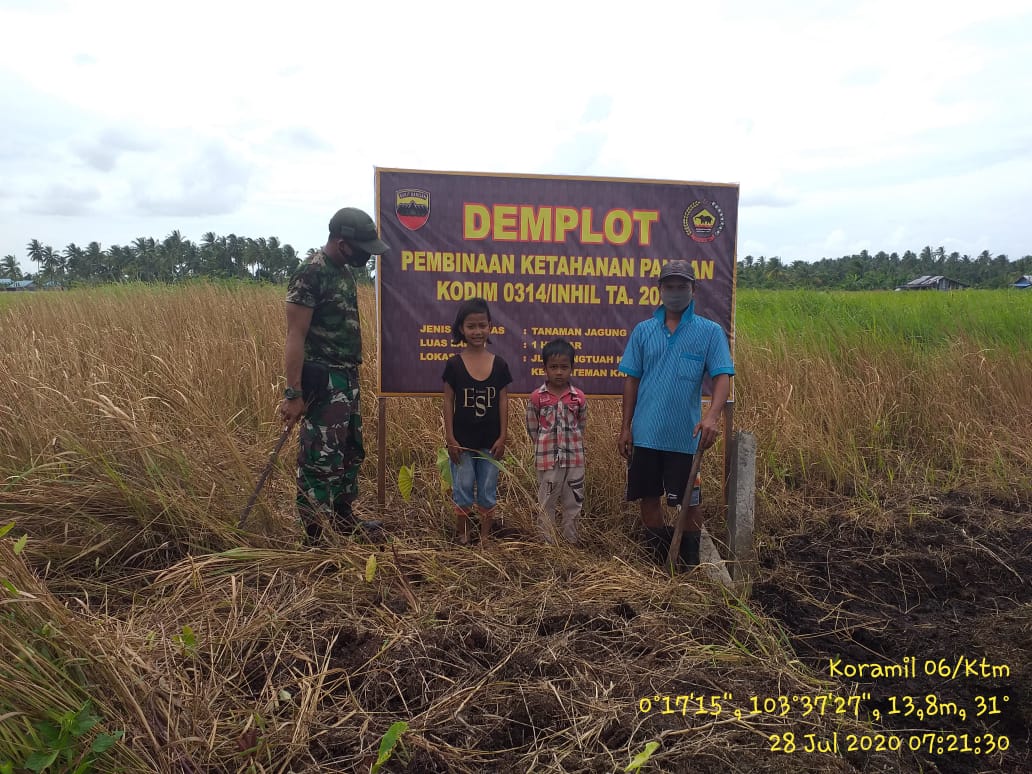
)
(741, 513)
(710, 560)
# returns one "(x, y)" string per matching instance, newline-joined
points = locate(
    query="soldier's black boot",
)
(345, 523)
(343, 517)
(312, 526)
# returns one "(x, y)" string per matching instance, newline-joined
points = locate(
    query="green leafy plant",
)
(64, 741)
(444, 469)
(642, 758)
(186, 640)
(387, 744)
(406, 478)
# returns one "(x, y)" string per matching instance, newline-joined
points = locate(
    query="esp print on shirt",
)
(480, 399)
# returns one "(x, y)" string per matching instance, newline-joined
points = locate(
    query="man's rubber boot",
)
(657, 543)
(690, 549)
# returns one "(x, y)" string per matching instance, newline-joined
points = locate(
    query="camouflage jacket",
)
(334, 337)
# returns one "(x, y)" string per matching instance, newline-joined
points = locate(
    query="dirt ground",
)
(950, 586)
(520, 658)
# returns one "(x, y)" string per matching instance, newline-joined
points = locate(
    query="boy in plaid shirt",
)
(556, 413)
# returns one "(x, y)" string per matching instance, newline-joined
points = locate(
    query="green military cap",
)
(358, 228)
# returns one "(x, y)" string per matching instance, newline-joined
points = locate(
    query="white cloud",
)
(888, 124)
(63, 199)
(103, 150)
(209, 179)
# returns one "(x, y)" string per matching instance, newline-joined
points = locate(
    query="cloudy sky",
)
(885, 125)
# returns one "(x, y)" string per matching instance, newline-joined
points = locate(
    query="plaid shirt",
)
(556, 425)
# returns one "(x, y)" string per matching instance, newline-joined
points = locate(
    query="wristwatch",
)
(291, 394)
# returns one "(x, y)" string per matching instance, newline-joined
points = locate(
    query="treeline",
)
(881, 271)
(226, 257)
(168, 260)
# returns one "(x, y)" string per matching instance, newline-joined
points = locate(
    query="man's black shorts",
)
(653, 473)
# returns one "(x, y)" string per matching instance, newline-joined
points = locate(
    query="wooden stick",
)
(682, 517)
(265, 475)
(381, 452)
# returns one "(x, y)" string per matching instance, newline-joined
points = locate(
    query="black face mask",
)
(358, 257)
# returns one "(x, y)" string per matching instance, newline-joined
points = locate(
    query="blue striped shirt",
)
(670, 367)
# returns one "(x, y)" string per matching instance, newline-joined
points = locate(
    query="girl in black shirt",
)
(476, 415)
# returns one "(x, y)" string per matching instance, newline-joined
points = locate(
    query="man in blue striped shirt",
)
(665, 360)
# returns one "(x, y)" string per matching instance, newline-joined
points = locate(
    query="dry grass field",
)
(141, 631)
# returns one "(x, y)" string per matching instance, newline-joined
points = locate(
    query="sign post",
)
(571, 257)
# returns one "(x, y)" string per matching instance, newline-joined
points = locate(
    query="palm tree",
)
(35, 251)
(254, 256)
(926, 260)
(216, 256)
(209, 253)
(191, 260)
(119, 262)
(172, 253)
(237, 263)
(9, 268)
(287, 262)
(95, 260)
(53, 263)
(143, 251)
(775, 271)
(282, 260)
(74, 261)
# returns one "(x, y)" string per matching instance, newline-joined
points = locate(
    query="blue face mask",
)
(676, 300)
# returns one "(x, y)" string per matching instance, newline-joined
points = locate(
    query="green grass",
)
(831, 321)
(10, 298)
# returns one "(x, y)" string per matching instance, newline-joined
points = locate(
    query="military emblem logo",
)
(703, 221)
(412, 206)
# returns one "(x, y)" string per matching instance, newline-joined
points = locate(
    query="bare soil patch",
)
(948, 583)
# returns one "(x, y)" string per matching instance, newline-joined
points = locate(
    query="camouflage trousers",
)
(330, 455)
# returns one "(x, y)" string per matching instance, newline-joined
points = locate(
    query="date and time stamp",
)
(961, 711)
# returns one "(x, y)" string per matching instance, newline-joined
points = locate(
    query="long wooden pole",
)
(682, 516)
(381, 451)
(265, 475)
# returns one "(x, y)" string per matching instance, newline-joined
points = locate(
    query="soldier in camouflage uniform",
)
(322, 354)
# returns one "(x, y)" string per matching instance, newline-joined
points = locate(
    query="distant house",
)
(928, 282)
(1023, 282)
(22, 285)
